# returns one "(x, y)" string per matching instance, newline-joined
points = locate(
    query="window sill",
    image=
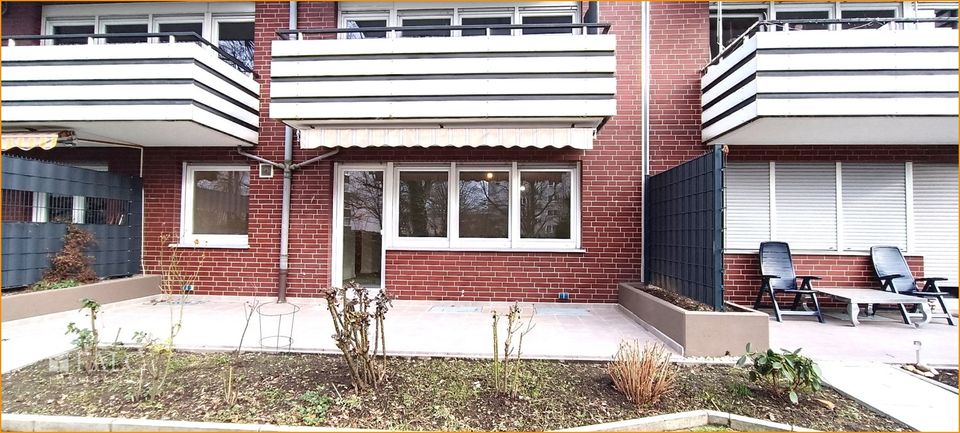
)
(212, 246)
(493, 249)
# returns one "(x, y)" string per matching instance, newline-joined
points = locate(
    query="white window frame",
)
(486, 13)
(187, 237)
(336, 237)
(181, 19)
(453, 241)
(839, 247)
(431, 14)
(363, 16)
(394, 211)
(104, 21)
(51, 23)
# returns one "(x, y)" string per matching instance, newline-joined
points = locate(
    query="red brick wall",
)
(741, 278)
(679, 47)
(21, 19)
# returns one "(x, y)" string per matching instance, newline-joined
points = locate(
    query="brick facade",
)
(22, 18)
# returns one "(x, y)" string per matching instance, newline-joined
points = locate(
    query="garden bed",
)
(37, 303)
(947, 377)
(419, 394)
(697, 332)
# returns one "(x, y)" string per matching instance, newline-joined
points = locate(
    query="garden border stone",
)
(665, 422)
(26, 305)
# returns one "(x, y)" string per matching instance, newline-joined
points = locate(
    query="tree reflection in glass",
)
(484, 204)
(545, 205)
(423, 204)
(362, 221)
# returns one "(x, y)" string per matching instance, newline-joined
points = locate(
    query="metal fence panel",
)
(29, 245)
(683, 229)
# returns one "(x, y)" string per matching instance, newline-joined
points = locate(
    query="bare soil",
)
(947, 377)
(419, 394)
(681, 301)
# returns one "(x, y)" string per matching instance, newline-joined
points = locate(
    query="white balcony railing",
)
(176, 90)
(502, 81)
(892, 82)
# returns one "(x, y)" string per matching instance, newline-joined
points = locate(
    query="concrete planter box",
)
(55, 301)
(699, 333)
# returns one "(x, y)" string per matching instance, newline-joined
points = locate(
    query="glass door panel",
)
(362, 248)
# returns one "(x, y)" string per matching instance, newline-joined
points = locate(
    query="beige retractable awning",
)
(577, 138)
(30, 140)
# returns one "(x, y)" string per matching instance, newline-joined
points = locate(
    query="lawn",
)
(418, 394)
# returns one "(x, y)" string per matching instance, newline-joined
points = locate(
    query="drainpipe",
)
(592, 16)
(288, 167)
(287, 184)
(644, 119)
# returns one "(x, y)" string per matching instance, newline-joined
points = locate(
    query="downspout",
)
(645, 122)
(287, 185)
(288, 167)
(592, 16)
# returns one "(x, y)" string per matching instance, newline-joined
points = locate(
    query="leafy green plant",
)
(315, 407)
(54, 285)
(783, 373)
(87, 339)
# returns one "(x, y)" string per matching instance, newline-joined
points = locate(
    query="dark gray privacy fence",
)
(40, 197)
(683, 244)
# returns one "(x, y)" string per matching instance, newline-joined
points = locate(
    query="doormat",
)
(454, 309)
(561, 311)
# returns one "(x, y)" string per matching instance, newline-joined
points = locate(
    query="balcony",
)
(896, 84)
(179, 90)
(332, 83)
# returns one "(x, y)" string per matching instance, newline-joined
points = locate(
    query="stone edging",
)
(691, 419)
(674, 421)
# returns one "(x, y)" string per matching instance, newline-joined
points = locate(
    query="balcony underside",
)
(171, 94)
(866, 130)
(834, 87)
(529, 81)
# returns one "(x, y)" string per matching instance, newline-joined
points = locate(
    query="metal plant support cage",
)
(281, 313)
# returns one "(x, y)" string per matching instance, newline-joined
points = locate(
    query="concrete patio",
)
(883, 338)
(568, 331)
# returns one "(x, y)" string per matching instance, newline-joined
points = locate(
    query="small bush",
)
(783, 373)
(642, 375)
(507, 369)
(350, 309)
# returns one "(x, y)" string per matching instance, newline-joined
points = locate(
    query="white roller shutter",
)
(874, 205)
(806, 201)
(935, 219)
(747, 200)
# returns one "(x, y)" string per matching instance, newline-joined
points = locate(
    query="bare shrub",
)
(643, 375)
(71, 263)
(506, 369)
(349, 308)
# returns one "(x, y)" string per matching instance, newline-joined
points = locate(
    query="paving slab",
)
(895, 392)
(414, 328)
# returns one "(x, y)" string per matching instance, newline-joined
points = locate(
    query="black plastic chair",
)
(894, 274)
(776, 269)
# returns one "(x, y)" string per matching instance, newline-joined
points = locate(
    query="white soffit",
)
(577, 138)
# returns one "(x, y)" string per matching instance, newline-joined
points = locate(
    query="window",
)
(215, 204)
(734, 24)
(484, 204)
(72, 29)
(236, 38)
(485, 21)
(805, 15)
(806, 205)
(192, 27)
(548, 19)
(545, 204)
(823, 206)
(874, 205)
(495, 207)
(125, 27)
(362, 21)
(946, 13)
(17, 206)
(425, 22)
(869, 13)
(423, 204)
